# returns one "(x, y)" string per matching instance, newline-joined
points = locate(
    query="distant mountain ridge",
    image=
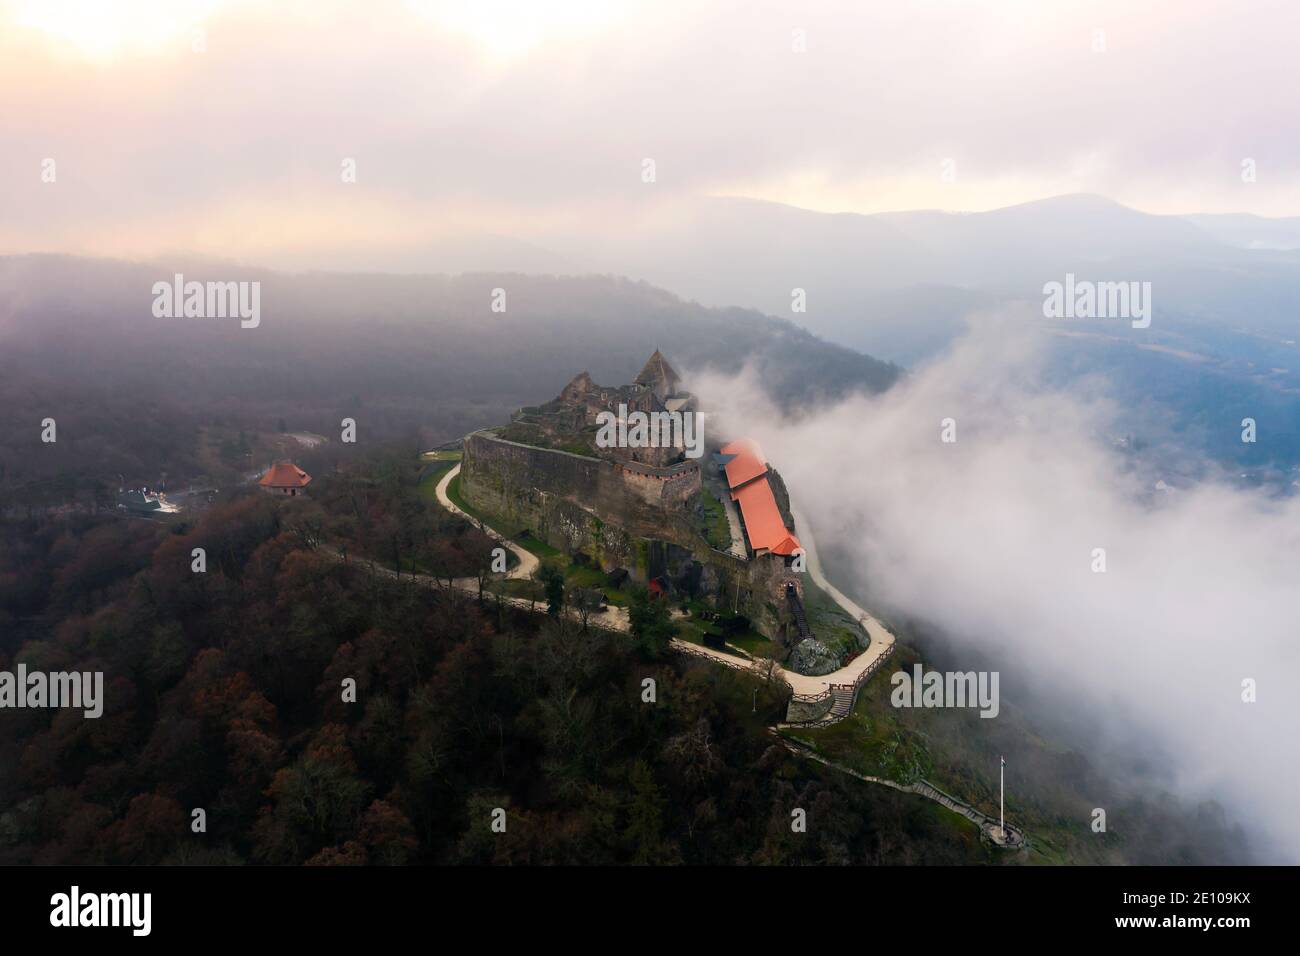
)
(752, 252)
(904, 286)
(418, 356)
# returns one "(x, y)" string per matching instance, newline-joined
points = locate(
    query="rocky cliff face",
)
(578, 503)
(782, 497)
(621, 518)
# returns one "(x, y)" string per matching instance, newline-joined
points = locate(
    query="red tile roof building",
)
(746, 462)
(285, 477)
(746, 473)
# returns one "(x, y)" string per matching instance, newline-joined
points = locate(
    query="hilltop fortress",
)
(714, 527)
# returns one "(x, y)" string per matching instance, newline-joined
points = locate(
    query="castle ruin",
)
(639, 507)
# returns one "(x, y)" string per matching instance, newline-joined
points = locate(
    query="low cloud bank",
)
(991, 538)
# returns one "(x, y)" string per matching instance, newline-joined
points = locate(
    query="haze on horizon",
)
(222, 128)
(219, 127)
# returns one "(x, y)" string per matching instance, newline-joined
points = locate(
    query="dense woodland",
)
(223, 692)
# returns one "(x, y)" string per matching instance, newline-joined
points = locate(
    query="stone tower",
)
(659, 377)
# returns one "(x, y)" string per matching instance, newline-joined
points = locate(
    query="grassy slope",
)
(829, 623)
(957, 751)
(948, 748)
(716, 529)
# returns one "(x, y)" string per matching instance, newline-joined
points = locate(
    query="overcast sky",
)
(992, 538)
(519, 118)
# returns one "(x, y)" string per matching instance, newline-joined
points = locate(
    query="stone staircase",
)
(842, 697)
(796, 609)
(845, 695)
(1012, 838)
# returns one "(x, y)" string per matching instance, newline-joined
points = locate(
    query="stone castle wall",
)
(578, 503)
(622, 515)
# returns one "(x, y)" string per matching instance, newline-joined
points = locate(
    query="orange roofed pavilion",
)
(284, 477)
(746, 472)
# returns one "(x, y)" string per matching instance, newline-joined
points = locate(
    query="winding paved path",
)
(882, 642)
(617, 617)
(527, 560)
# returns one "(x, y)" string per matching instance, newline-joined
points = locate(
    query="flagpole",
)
(1002, 795)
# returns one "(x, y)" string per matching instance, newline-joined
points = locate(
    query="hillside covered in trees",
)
(223, 693)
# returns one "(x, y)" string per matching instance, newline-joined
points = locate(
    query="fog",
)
(427, 137)
(990, 539)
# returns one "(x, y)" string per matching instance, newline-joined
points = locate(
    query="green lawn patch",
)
(754, 643)
(715, 528)
(500, 525)
(591, 576)
(829, 622)
(693, 632)
(872, 740)
(585, 576)
(749, 640)
(433, 473)
(536, 546)
(520, 588)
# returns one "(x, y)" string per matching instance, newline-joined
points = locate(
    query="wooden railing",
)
(829, 693)
(817, 707)
(739, 663)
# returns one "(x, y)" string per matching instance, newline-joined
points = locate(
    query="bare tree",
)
(585, 601)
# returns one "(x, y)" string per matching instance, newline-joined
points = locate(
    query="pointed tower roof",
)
(657, 371)
(580, 386)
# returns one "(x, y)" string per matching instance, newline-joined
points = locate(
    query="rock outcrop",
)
(811, 656)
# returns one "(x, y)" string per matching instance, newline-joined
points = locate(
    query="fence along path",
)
(842, 685)
(988, 825)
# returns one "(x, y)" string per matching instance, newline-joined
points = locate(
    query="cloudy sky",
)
(221, 126)
(992, 537)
